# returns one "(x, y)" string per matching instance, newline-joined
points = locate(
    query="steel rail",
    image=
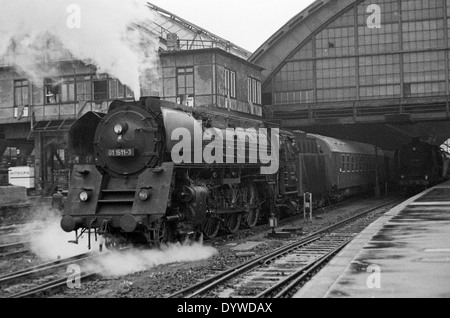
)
(240, 269)
(13, 245)
(45, 267)
(58, 283)
(299, 275)
(9, 254)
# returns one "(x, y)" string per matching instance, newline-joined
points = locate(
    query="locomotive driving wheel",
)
(211, 226)
(232, 221)
(161, 235)
(251, 203)
(212, 223)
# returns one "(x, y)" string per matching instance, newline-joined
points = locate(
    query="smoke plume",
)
(103, 33)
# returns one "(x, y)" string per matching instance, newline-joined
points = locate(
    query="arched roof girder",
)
(295, 32)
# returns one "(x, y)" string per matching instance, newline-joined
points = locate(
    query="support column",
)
(377, 181)
(38, 153)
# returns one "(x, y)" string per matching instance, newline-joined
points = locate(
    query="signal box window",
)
(21, 98)
(59, 90)
(185, 86)
(254, 91)
(84, 88)
(100, 90)
(230, 83)
(21, 93)
(124, 91)
(51, 92)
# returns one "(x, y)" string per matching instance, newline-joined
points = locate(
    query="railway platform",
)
(404, 254)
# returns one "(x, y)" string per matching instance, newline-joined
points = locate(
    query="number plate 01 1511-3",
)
(120, 152)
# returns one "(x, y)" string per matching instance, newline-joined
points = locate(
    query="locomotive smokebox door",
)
(127, 141)
(152, 193)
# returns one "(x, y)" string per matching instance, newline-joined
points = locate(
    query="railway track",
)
(260, 228)
(14, 249)
(35, 274)
(50, 286)
(15, 227)
(43, 270)
(277, 273)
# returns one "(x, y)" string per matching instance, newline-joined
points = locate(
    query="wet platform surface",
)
(406, 253)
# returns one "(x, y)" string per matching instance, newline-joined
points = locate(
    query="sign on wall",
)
(21, 176)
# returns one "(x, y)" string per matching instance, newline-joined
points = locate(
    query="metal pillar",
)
(307, 206)
(38, 151)
(377, 181)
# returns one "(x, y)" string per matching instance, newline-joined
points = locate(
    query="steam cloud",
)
(49, 242)
(106, 38)
(52, 243)
(132, 261)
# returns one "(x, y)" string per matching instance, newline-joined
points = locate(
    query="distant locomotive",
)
(421, 165)
(134, 192)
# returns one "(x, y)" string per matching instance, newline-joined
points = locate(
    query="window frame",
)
(24, 86)
(95, 94)
(230, 83)
(188, 71)
(61, 81)
(254, 91)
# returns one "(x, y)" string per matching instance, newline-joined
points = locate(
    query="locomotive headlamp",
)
(84, 196)
(145, 194)
(120, 129)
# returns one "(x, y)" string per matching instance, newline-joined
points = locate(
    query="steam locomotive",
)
(421, 165)
(136, 192)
